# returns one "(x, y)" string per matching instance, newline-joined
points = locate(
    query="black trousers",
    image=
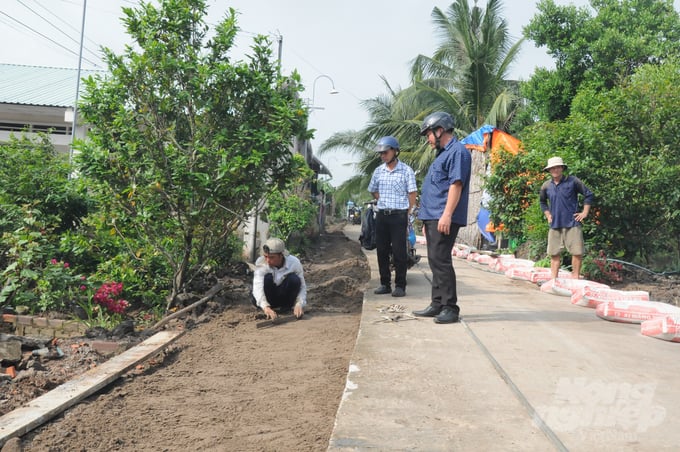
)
(439, 248)
(390, 237)
(281, 296)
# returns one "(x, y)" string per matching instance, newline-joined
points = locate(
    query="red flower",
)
(107, 297)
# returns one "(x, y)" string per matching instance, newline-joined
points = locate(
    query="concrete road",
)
(523, 371)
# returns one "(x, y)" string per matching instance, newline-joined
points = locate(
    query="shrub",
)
(106, 256)
(33, 173)
(289, 213)
(600, 269)
(34, 275)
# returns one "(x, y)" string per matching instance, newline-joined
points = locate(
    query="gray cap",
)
(274, 246)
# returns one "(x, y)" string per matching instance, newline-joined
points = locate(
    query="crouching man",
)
(279, 282)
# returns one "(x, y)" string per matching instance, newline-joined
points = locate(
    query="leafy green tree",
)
(622, 144)
(184, 140)
(630, 153)
(597, 51)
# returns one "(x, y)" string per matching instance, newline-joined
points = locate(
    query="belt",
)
(393, 211)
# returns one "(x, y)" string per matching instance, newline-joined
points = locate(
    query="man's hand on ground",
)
(270, 313)
(298, 311)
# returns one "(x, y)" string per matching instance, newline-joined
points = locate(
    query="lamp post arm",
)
(333, 90)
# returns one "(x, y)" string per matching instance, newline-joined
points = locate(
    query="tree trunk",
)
(178, 279)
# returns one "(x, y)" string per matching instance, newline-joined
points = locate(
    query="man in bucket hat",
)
(560, 205)
(278, 281)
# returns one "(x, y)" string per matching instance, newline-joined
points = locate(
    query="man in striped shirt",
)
(393, 184)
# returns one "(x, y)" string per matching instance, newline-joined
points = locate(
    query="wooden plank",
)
(45, 407)
(281, 319)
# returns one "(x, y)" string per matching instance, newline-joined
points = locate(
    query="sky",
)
(347, 45)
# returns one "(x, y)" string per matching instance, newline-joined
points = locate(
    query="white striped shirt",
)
(393, 186)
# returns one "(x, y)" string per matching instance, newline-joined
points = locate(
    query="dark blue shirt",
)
(563, 200)
(451, 165)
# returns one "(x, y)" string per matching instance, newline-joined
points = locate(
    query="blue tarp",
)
(483, 219)
(477, 137)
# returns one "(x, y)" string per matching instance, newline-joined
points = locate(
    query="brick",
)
(46, 332)
(40, 322)
(9, 318)
(24, 320)
(31, 331)
(107, 347)
(55, 323)
(73, 326)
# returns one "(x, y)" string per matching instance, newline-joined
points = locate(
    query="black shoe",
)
(447, 315)
(429, 311)
(398, 292)
(382, 290)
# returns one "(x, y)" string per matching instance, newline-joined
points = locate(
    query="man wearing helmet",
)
(393, 184)
(443, 211)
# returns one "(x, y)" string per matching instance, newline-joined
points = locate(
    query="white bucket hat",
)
(553, 162)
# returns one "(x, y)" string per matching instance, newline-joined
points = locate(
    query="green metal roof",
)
(38, 85)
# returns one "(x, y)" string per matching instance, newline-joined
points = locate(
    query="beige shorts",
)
(570, 239)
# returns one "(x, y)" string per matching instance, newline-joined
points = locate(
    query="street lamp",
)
(332, 91)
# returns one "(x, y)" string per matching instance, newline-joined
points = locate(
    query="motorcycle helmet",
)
(386, 143)
(437, 119)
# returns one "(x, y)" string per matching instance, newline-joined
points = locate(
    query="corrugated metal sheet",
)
(38, 85)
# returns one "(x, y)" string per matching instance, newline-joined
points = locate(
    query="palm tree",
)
(467, 74)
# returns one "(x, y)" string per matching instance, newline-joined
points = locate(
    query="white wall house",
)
(37, 99)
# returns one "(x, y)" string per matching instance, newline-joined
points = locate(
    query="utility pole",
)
(279, 37)
(75, 105)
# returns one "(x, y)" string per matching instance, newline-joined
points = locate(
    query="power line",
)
(74, 29)
(46, 37)
(55, 27)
